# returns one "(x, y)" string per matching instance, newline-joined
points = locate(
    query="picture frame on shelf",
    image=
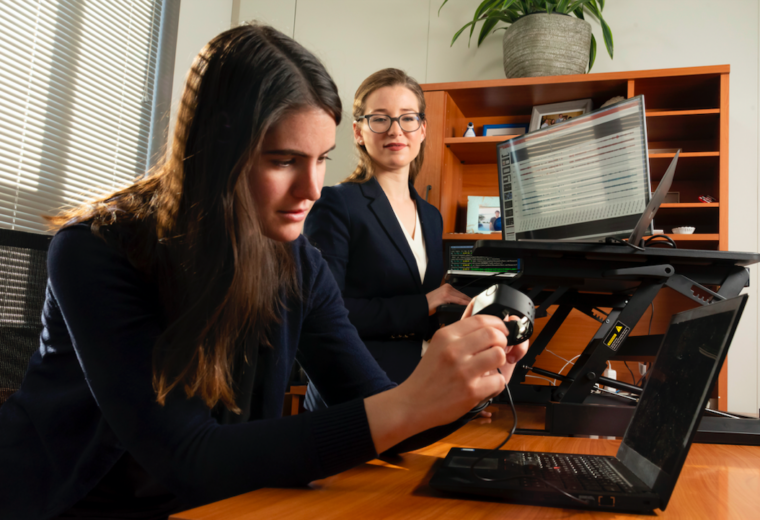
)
(544, 116)
(506, 129)
(483, 215)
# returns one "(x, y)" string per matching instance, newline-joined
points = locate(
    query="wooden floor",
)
(718, 482)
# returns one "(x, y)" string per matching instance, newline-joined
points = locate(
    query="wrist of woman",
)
(393, 416)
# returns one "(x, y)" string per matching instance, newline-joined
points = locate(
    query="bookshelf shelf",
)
(687, 109)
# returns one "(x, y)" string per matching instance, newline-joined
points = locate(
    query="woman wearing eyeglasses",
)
(381, 240)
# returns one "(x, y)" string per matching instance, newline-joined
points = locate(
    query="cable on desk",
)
(667, 241)
(600, 389)
(512, 432)
(615, 240)
(631, 371)
(556, 355)
(568, 363)
(553, 383)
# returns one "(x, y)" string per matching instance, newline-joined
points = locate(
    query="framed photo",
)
(544, 116)
(483, 215)
(507, 129)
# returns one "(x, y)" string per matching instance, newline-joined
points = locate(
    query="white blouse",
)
(417, 245)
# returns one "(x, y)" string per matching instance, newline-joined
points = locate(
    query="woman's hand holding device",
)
(458, 371)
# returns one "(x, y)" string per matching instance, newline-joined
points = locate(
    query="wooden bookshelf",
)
(686, 108)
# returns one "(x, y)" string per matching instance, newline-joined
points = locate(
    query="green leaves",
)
(596, 11)
(493, 12)
(482, 13)
(439, 9)
(562, 6)
(490, 12)
(488, 25)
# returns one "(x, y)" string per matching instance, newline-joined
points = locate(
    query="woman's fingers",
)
(468, 311)
(491, 386)
(517, 352)
(469, 325)
(485, 363)
(457, 297)
(445, 294)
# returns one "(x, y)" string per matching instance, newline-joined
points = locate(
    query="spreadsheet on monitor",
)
(585, 178)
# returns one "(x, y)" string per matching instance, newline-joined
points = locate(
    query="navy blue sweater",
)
(87, 398)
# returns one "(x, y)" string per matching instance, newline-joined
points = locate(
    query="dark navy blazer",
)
(87, 400)
(355, 228)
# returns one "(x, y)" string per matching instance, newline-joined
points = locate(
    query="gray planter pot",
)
(546, 45)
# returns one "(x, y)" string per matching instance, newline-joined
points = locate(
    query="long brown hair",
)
(384, 78)
(192, 225)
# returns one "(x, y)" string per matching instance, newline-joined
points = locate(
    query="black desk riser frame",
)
(589, 277)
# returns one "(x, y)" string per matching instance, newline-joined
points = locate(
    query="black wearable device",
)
(503, 301)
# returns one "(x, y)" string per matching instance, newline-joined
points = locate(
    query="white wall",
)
(199, 21)
(357, 37)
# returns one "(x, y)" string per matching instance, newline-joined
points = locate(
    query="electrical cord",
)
(667, 241)
(614, 240)
(556, 355)
(544, 378)
(631, 371)
(563, 367)
(599, 388)
(654, 240)
(511, 432)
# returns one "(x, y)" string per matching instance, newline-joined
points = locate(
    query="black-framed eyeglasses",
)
(380, 123)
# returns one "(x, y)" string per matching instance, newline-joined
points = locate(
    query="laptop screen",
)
(461, 261)
(586, 178)
(678, 388)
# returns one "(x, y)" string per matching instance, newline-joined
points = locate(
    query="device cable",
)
(615, 240)
(631, 371)
(666, 241)
(544, 378)
(511, 432)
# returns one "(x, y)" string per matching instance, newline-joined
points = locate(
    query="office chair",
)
(23, 278)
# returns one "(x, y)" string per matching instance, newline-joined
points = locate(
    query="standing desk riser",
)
(592, 277)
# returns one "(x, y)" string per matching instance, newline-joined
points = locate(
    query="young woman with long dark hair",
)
(176, 308)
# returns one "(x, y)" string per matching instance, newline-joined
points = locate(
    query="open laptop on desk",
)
(460, 262)
(643, 474)
(584, 180)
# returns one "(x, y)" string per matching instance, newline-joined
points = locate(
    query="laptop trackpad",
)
(466, 463)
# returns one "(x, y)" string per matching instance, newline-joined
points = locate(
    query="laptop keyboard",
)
(571, 472)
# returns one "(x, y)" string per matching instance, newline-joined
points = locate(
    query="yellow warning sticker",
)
(616, 336)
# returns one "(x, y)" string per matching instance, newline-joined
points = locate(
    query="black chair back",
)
(23, 278)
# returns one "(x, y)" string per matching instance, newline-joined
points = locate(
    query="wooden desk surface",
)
(717, 482)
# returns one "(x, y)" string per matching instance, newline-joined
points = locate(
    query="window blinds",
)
(76, 100)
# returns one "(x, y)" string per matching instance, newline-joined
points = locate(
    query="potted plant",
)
(542, 37)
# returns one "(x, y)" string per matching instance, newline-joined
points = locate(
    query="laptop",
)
(643, 474)
(647, 217)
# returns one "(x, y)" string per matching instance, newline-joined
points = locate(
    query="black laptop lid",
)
(645, 221)
(677, 391)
